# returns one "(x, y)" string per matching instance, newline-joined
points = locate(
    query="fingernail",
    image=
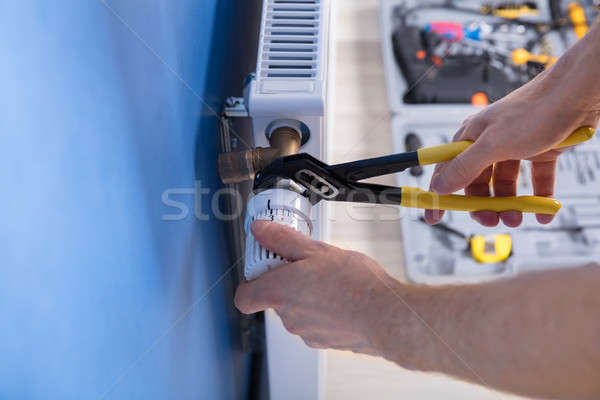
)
(259, 225)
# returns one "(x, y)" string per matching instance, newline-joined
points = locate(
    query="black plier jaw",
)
(338, 182)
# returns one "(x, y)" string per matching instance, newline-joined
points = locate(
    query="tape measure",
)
(491, 248)
(486, 249)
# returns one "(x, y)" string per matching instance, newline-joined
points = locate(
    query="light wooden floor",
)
(362, 129)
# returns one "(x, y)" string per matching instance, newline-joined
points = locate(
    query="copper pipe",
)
(286, 140)
(236, 167)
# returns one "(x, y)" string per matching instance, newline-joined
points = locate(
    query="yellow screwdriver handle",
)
(418, 198)
(522, 57)
(445, 152)
(577, 17)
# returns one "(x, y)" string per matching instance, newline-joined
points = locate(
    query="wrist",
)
(394, 329)
(411, 328)
(574, 76)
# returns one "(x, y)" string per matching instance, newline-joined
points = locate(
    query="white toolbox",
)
(434, 256)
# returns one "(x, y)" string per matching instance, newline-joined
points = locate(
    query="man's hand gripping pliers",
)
(341, 182)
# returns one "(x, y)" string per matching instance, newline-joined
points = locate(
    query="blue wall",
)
(100, 112)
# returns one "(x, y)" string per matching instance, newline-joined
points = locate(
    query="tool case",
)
(441, 255)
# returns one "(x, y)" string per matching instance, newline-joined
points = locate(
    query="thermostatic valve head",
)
(283, 206)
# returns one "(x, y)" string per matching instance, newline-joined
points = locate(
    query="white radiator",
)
(293, 70)
(293, 85)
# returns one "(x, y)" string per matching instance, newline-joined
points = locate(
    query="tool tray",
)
(434, 256)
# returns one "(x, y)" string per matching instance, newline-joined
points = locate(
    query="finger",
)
(459, 172)
(481, 187)
(314, 344)
(249, 301)
(283, 240)
(289, 323)
(472, 128)
(459, 132)
(267, 291)
(543, 175)
(505, 178)
(433, 217)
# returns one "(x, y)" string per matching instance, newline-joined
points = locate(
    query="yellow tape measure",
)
(491, 249)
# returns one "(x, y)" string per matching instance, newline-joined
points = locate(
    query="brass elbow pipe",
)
(240, 166)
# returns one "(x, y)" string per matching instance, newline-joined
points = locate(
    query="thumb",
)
(283, 240)
(459, 172)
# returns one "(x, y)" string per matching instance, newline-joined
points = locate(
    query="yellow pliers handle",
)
(417, 198)
(446, 152)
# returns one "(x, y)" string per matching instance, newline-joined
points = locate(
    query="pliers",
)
(341, 182)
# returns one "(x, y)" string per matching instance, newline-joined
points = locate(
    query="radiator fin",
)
(290, 45)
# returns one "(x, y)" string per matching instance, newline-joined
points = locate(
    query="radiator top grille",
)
(290, 45)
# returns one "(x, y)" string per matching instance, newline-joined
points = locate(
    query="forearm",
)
(576, 72)
(537, 335)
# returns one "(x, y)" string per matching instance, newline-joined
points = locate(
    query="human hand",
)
(332, 298)
(525, 125)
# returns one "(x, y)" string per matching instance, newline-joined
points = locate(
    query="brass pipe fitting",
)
(285, 140)
(236, 167)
